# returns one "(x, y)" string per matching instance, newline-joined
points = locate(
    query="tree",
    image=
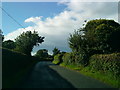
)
(1, 35)
(56, 51)
(102, 36)
(9, 44)
(27, 40)
(79, 47)
(42, 53)
(98, 36)
(75, 40)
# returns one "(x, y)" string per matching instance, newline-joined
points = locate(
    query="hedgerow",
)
(107, 63)
(14, 63)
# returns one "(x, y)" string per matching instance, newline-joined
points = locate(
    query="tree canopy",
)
(42, 53)
(98, 36)
(103, 35)
(27, 40)
(55, 51)
(9, 44)
(1, 35)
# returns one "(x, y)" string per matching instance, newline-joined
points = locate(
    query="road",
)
(48, 75)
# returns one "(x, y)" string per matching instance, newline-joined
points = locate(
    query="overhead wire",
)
(12, 18)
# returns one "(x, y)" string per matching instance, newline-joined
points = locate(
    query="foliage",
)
(14, 63)
(102, 36)
(75, 41)
(26, 41)
(79, 47)
(107, 78)
(42, 53)
(72, 58)
(49, 58)
(91, 47)
(9, 44)
(104, 67)
(58, 58)
(1, 35)
(107, 63)
(56, 51)
(98, 36)
(67, 59)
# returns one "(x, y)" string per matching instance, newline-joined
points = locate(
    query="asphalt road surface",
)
(48, 75)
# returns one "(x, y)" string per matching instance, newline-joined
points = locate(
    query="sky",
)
(53, 20)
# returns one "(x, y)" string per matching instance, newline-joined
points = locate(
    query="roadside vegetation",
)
(95, 51)
(43, 55)
(17, 61)
(15, 66)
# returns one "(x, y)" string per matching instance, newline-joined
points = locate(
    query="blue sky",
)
(23, 10)
(54, 20)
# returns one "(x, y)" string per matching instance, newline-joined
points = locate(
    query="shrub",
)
(58, 59)
(67, 59)
(80, 59)
(73, 58)
(107, 63)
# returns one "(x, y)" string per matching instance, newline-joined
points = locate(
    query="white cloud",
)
(16, 33)
(33, 19)
(57, 29)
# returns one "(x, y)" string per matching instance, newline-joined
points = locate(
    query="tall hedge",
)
(107, 63)
(67, 58)
(14, 63)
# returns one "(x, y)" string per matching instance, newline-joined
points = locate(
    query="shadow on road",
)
(42, 76)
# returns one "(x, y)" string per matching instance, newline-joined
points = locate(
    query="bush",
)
(74, 58)
(71, 58)
(107, 63)
(67, 58)
(58, 58)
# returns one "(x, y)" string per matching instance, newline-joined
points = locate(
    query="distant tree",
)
(42, 53)
(1, 35)
(56, 51)
(27, 40)
(9, 44)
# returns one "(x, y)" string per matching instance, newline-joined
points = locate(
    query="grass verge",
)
(106, 78)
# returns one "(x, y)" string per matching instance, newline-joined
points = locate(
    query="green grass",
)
(106, 78)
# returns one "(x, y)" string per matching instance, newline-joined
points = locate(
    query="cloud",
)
(14, 34)
(56, 30)
(34, 19)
